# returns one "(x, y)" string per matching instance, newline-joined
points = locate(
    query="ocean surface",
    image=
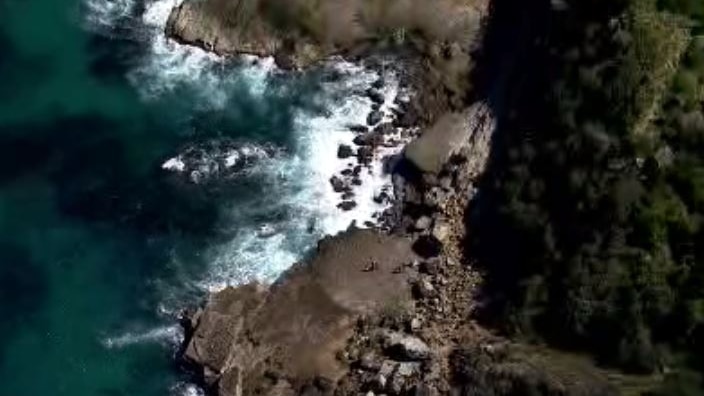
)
(136, 175)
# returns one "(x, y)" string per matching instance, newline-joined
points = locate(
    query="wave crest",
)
(219, 159)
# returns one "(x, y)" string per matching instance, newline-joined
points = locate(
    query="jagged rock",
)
(466, 135)
(385, 128)
(344, 151)
(396, 385)
(338, 185)
(365, 154)
(434, 148)
(441, 230)
(415, 324)
(369, 362)
(375, 117)
(359, 128)
(375, 95)
(404, 347)
(435, 197)
(423, 223)
(423, 288)
(406, 119)
(382, 197)
(368, 139)
(425, 390)
(347, 205)
(407, 369)
(430, 267)
(378, 83)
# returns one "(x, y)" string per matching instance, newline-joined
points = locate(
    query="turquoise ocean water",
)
(135, 176)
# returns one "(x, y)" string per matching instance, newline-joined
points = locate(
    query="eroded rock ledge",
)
(301, 32)
(248, 337)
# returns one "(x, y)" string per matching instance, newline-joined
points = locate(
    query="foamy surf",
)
(167, 335)
(297, 205)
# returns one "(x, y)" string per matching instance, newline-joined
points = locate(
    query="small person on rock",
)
(371, 266)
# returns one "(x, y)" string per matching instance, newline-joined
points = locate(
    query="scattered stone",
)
(346, 172)
(423, 223)
(407, 369)
(338, 185)
(425, 390)
(369, 362)
(344, 151)
(375, 117)
(423, 288)
(365, 155)
(397, 384)
(404, 347)
(347, 195)
(380, 381)
(357, 181)
(441, 230)
(382, 197)
(430, 267)
(368, 139)
(385, 128)
(347, 205)
(435, 197)
(359, 128)
(415, 324)
(375, 95)
(387, 368)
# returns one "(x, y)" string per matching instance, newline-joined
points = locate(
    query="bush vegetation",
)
(597, 184)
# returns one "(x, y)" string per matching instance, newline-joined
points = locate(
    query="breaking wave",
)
(167, 335)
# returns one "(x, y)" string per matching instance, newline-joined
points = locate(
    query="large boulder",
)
(466, 134)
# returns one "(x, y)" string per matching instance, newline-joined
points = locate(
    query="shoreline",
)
(350, 307)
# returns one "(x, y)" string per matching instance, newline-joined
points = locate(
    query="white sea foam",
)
(298, 186)
(104, 14)
(186, 389)
(169, 335)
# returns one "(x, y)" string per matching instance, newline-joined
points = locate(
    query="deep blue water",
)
(99, 245)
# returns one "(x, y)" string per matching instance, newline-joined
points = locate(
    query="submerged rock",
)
(344, 151)
(375, 117)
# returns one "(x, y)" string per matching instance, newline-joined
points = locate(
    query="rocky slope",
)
(373, 312)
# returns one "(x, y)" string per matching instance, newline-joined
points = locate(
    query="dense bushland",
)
(597, 186)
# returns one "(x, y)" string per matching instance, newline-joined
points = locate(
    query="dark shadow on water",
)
(16, 68)
(111, 57)
(87, 165)
(23, 290)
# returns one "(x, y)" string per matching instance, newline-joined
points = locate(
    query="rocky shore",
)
(386, 310)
